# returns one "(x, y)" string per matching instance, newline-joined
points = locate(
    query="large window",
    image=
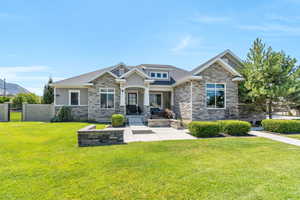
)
(107, 98)
(156, 100)
(215, 95)
(74, 97)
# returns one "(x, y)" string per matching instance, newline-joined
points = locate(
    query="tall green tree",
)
(48, 96)
(270, 76)
(21, 98)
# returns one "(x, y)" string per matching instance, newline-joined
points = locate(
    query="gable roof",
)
(176, 74)
(217, 58)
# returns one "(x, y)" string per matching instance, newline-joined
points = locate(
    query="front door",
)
(132, 103)
(132, 99)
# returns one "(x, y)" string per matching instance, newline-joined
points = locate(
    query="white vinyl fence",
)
(4, 112)
(38, 112)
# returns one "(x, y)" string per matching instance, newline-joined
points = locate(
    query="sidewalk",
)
(278, 138)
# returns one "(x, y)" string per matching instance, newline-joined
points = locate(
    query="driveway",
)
(158, 134)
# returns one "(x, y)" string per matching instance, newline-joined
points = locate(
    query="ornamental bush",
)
(117, 120)
(234, 127)
(204, 129)
(281, 126)
(63, 115)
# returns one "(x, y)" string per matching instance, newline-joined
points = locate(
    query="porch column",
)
(146, 96)
(122, 96)
(172, 98)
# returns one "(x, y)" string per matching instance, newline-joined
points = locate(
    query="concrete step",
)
(141, 130)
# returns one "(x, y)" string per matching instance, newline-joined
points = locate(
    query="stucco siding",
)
(62, 96)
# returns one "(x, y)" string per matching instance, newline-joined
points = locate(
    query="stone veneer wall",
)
(79, 113)
(215, 74)
(182, 101)
(95, 112)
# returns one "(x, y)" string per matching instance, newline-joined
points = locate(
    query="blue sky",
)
(61, 38)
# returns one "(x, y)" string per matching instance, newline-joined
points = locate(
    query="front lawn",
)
(42, 161)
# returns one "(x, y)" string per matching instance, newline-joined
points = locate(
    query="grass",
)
(296, 136)
(42, 161)
(15, 116)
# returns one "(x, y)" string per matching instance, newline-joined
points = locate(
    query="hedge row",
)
(213, 129)
(281, 126)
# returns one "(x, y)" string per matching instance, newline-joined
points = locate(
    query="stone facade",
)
(215, 74)
(79, 113)
(90, 136)
(182, 101)
(95, 112)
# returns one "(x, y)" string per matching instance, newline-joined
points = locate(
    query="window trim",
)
(162, 98)
(74, 91)
(225, 96)
(159, 72)
(114, 93)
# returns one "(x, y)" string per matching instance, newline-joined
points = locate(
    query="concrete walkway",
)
(278, 138)
(158, 134)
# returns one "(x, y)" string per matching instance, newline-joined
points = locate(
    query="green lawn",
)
(15, 116)
(42, 161)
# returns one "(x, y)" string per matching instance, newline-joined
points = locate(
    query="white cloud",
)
(183, 44)
(211, 19)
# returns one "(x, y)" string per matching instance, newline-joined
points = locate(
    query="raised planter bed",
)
(90, 136)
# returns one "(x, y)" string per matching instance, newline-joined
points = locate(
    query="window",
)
(107, 98)
(74, 97)
(159, 75)
(156, 100)
(215, 95)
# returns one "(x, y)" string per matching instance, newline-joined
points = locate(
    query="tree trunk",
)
(270, 109)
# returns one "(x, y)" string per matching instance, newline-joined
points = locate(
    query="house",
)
(208, 92)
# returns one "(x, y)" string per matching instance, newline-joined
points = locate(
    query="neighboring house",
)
(208, 92)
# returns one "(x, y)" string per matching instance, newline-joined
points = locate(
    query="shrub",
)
(281, 126)
(4, 99)
(25, 98)
(169, 114)
(204, 129)
(117, 120)
(234, 127)
(63, 115)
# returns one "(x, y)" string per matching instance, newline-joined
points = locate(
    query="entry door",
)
(132, 99)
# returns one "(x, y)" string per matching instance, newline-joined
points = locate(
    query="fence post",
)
(7, 111)
(24, 105)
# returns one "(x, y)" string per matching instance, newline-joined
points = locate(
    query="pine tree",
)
(269, 76)
(48, 96)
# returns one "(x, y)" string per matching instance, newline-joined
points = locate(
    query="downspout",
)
(191, 100)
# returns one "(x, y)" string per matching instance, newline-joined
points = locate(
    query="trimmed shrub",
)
(63, 115)
(204, 129)
(281, 125)
(117, 120)
(234, 127)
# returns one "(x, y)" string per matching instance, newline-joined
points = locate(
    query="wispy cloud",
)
(32, 78)
(283, 19)
(211, 19)
(182, 44)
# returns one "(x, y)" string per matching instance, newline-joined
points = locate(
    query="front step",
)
(135, 120)
(141, 130)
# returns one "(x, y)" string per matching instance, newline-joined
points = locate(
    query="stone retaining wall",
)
(165, 123)
(90, 136)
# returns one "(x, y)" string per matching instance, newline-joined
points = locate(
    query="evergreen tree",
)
(269, 76)
(48, 96)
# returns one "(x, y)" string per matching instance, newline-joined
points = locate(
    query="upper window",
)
(215, 95)
(159, 75)
(107, 97)
(74, 97)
